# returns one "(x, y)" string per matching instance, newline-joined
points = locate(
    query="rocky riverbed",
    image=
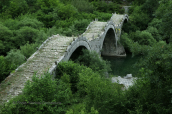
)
(126, 81)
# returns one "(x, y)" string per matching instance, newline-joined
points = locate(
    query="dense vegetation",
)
(81, 87)
(24, 24)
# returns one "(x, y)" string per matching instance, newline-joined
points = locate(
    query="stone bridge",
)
(102, 37)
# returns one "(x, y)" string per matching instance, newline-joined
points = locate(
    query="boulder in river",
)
(128, 76)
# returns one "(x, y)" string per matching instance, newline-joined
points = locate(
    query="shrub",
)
(94, 61)
(102, 16)
(71, 69)
(102, 6)
(152, 91)
(11, 23)
(144, 38)
(132, 46)
(101, 93)
(43, 92)
(46, 18)
(6, 68)
(29, 21)
(80, 109)
(83, 5)
(81, 25)
(16, 8)
(66, 11)
(52, 31)
(90, 89)
(6, 39)
(47, 4)
(3, 70)
(156, 23)
(139, 18)
(76, 27)
(25, 34)
(15, 57)
(154, 33)
(68, 32)
(28, 49)
(42, 36)
(64, 23)
(89, 16)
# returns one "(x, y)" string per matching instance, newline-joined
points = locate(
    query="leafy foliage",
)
(139, 18)
(28, 49)
(72, 70)
(25, 34)
(15, 57)
(83, 5)
(93, 61)
(6, 39)
(29, 22)
(79, 88)
(155, 33)
(155, 69)
(47, 95)
(111, 7)
(144, 38)
(16, 7)
(6, 68)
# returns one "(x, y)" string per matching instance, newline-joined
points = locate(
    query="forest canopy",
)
(25, 24)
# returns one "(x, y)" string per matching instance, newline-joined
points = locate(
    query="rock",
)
(128, 76)
(106, 75)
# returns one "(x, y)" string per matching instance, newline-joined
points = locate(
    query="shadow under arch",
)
(78, 52)
(109, 43)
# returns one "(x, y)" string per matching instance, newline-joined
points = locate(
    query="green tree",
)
(3, 5)
(15, 57)
(3, 70)
(28, 49)
(83, 5)
(94, 61)
(155, 68)
(139, 18)
(17, 7)
(144, 38)
(25, 34)
(154, 32)
(29, 21)
(6, 39)
(49, 96)
(150, 7)
(166, 23)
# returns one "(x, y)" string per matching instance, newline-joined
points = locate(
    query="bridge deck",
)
(117, 18)
(95, 28)
(41, 62)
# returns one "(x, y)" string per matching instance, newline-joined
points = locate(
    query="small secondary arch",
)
(76, 49)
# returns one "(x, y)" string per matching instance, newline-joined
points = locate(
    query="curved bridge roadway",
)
(102, 37)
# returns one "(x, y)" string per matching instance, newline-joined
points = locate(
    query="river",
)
(122, 66)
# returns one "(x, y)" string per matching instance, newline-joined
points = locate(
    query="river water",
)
(122, 66)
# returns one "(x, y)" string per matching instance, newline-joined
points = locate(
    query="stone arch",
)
(109, 42)
(78, 52)
(77, 47)
(125, 21)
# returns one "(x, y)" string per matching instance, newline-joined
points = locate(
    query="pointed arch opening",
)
(78, 52)
(109, 44)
